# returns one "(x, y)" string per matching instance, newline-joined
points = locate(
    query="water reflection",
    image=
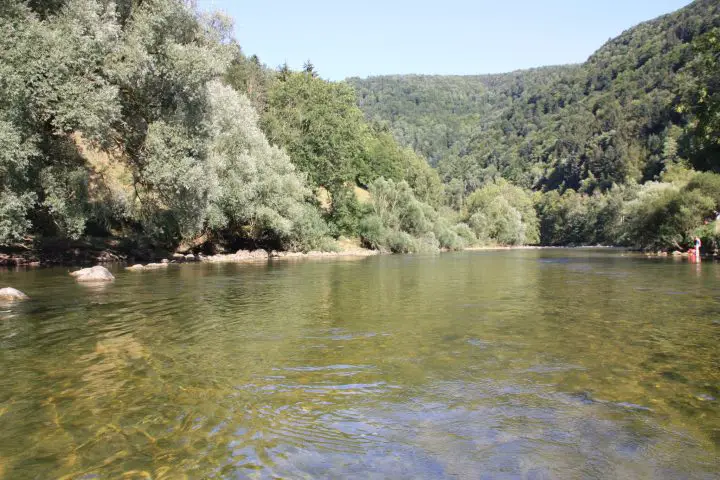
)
(570, 364)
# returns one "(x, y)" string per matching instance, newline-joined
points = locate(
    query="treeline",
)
(590, 137)
(144, 123)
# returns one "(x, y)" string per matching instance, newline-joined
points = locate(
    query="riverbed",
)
(560, 363)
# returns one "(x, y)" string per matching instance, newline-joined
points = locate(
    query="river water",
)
(516, 364)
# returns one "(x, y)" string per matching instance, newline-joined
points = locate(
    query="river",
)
(515, 364)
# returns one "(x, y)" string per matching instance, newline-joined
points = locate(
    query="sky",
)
(464, 37)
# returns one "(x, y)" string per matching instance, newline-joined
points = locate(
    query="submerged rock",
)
(10, 294)
(94, 274)
(155, 266)
(150, 266)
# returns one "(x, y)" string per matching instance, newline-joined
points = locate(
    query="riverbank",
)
(106, 252)
(139, 257)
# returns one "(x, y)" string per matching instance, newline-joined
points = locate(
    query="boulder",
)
(9, 294)
(94, 274)
(259, 254)
(189, 257)
(135, 268)
(155, 266)
(178, 256)
(165, 261)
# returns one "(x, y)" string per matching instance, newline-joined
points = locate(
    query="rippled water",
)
(518, 364)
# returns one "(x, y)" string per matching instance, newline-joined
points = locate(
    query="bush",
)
(373, 232)
(427, 244)
(450, 240)
(503, 213)
(466, 234)
(345, 213)
(14, 210)
(664, 216)
(401, 242)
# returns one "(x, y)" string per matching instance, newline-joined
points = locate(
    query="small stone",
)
(10, 294)
(190, 257)
(165, 261)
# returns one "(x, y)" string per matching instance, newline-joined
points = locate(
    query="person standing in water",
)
(698, 244)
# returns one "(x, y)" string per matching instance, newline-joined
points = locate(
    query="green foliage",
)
(612, 120)
(502, 213)
(346, 212)
(664, 216)
(464, 231)
(702, 100)
(258, 186)
(580, 219)
(401, 223)
(146, 118)
(14, 210)
(140, 83)
(66, 198)
(320, 126)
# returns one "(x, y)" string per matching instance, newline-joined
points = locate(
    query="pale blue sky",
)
(374, 37)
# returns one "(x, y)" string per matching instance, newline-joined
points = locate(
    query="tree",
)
(320, 126)
(503, 213)
(703, 101)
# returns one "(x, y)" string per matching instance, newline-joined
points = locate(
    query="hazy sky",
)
(373, 37)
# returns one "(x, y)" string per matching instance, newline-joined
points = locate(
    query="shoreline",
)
(148, 259)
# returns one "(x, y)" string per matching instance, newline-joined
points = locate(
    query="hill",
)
(618, 118)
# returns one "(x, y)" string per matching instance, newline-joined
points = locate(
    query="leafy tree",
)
(503, 213)
(703, 101)
(320, 126)
(401, 223)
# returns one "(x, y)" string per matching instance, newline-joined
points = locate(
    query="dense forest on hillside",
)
(143, 125)
(629, 116)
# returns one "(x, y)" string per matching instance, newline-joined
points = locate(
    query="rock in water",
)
(154, 266)
(11, 295)
(135, 268)
(94, 274)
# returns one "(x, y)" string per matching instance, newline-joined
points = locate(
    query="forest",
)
(618, 150)
(144, 125)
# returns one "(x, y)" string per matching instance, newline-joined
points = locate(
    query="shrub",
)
(401, 242)
(503, 213)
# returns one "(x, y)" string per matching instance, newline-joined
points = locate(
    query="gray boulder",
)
(10, 294)
(94, 274)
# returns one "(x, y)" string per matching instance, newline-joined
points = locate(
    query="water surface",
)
(516, 364)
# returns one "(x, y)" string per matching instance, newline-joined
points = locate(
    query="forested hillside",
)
(143, 125)
(612, 142)
(614, 119)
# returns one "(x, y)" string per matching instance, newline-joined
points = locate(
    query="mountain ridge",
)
(580, 126)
